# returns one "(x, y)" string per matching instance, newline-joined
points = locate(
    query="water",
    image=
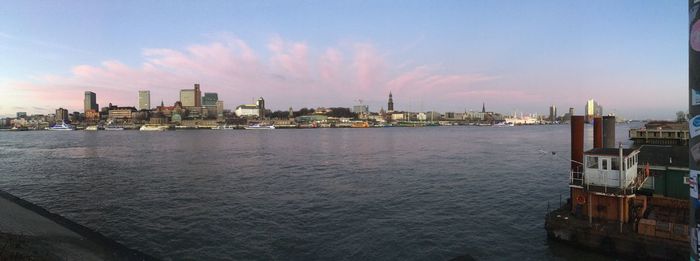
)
(349, 194)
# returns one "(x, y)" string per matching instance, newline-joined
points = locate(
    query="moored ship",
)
(152, 127)
(62, 127)
(260, 127)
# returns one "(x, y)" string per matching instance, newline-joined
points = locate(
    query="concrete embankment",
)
(29, 232)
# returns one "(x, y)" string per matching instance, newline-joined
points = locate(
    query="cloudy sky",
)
(631, 56)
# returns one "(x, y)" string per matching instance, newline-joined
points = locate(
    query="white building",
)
(144, 100)
(247, 110)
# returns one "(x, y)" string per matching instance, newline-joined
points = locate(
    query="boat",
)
(113, 128)
(91, 128)
(360, 124)
(153, 127)
(62, 127)
(504, 124)
(260, 127)
(224, 127)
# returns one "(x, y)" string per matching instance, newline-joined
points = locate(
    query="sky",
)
(630, 56)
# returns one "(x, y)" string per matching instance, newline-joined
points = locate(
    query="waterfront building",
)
(436, 116)
(90, 101)
(390, 104)
(144, 100)
(451, 116)
(552, 113)
(399, 116)
(661, 133)
(120, 113)
(360, 109)
(291, 113)
(311, 119)
(61, 115)
(21, 114)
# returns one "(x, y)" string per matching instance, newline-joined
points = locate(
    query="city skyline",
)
(524, 56)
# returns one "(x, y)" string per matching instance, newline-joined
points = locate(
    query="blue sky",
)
(445, 56)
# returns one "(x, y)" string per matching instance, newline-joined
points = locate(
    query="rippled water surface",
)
(354, 194)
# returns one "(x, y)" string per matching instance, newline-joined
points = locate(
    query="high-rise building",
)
(390, 105)
(261, 107)
(21, 114)
(62, 114)
(210, 99)
(552, 113)
(197, 96)
(220, 108)
(187, 98)
(291, 113)
(144, 100)
(593, 109)
(90, 101)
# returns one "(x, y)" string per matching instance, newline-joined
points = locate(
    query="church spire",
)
(483, 107)
(390, 105)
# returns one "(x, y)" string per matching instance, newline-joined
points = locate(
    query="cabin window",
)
(591, 162)
(604, 164)
(615, 164)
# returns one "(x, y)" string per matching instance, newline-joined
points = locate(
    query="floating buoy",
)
(581, 199)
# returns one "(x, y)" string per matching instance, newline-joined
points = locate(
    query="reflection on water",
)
(379, 194)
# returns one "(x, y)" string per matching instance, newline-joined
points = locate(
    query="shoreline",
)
(34, 233)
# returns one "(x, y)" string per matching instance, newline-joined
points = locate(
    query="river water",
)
(429, 193)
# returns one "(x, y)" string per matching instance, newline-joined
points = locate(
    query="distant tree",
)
(279, 114)
(304, 111)
(340, 112)
(681, 116)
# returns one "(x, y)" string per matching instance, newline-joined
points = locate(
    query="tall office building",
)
(220, 108)
(390, 104)
(261, 107)
(197, 96)
(593, 109)
(187, 98)
(210, 99)
(552, 113)
(144, 100)
(90, 102)
(62, 114)
(191, 97)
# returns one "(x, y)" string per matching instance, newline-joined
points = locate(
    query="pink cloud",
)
(368, 65)
(289, 59)
(330, 65)
(292, 73)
